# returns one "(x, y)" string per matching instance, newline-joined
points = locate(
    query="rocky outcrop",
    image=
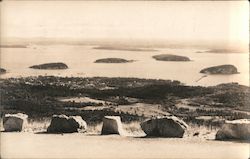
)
(2, 71)
(65, 124)
(50, 66)
(170, 57)
(15, 122)
(112, 125)
(113, 60)
(167, 126)
(221, 69)
(236, 129)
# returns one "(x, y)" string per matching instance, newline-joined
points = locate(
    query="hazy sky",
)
(172, 20)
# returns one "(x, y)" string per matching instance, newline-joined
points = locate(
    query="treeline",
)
(37, 96)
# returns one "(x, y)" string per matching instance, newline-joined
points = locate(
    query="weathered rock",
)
(167, 126)
(170, 57)
(236, 129)
(52, 66)
(15, 122)
(221, 69)
(2, 71)
(112, 125)
(113, 60)
(65, 124)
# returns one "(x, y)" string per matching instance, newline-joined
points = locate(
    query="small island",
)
(222, 51)
(170, 57)
(13, 46)
(50, 66)
(221, 69)
(123, 48)
(2, 71)
(113, 60)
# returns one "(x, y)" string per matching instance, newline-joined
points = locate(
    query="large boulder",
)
(170, 57)
(221, 69)
(65, 124)
(2, 71)
(15, 122)
(112, 125)
(236, 129)
(50, 66)
(167, 126)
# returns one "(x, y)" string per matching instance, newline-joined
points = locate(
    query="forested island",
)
(170, 57)
(50, 66)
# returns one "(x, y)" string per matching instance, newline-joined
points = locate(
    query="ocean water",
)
(80, 59)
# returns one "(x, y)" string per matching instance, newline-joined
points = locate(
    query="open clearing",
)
(77, 145)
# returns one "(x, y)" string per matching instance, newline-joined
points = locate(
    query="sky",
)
(222, 21)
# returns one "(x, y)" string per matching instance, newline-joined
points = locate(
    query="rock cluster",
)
(165, 126)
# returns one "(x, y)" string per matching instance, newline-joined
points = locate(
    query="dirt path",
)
(29, 145)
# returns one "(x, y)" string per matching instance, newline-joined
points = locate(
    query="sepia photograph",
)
(116, 79)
